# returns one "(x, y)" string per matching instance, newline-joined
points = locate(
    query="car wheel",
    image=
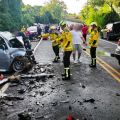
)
(18, 65)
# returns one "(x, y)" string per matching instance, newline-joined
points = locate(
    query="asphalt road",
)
(108, 47)
(91, 94)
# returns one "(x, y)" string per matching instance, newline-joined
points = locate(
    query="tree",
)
(15, 11)
(101, 11)
(56, 8)
(10, 14)
(111, 3)
(5, 18)
(14, 14)
(30, 13)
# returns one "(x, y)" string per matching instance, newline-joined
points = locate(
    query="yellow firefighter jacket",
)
(94, 38)
(53, 37)
(65, 40)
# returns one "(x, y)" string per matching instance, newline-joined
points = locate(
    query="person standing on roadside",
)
(93, 43)
(77, 40)
(84, 31)
(65, 40)
(53, 37)
(39, 30)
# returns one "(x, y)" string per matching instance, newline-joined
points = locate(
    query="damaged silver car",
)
(12, 52)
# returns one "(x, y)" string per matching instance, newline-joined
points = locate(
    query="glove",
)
(94, 42)
(62, 50)
(53, 41)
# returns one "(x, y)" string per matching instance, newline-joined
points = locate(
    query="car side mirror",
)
(2, 47)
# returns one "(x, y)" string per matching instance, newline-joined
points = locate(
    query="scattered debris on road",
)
(13, 98)
(38, 75)
(21, 91)
(2, 82)
(90, 100)
(24, 116)
(117, 94)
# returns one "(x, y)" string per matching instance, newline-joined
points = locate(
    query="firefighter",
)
(23, 29)
(66, 44)
(93, 43)
(53, 36)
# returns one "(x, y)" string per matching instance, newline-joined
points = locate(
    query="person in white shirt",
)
(78, 40)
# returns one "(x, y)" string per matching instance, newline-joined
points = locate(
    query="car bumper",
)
(115, 55)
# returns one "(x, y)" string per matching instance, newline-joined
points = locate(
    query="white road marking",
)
(108, 42)
(37, 46)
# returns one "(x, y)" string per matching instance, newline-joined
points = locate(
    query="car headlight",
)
(12, 56)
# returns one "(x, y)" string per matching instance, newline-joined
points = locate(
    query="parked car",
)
(117, 52)
(32, 32)
(12, 52)
(111, 31)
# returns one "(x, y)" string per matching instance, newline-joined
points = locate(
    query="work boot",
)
(93, 63)
(67, 74)
(56, 59)
(63, 74)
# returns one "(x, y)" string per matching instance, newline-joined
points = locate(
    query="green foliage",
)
(14, 14)
(101, 11)
(29, 13)
(10, 14)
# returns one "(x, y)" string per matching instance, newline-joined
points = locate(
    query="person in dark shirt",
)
(46, 29)
(39, 30)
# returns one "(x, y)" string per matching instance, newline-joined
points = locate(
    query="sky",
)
(73, 6)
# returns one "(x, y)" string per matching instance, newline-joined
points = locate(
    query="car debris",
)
(33, 94)
(90, 100)
(42, 93)
(21, 91)
(83, 86)
(24, 116)
(54, 103)
(10, 103)
(42, 70)
(31, 82)
(95, 107)
(37, 75)
(14, 78)
(2, 82)
(66, 101)
(70, 108)
(117, 94)
(15, 98)
(39, 117)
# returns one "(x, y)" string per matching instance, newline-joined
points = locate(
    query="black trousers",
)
(93, 52)
(66, 58)
(84, 35)
(56, 50)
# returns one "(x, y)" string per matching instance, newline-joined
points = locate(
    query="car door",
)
(4, 56)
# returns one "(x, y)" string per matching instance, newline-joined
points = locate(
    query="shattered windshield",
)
(15, 43)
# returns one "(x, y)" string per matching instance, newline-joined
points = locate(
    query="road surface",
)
(91, 94)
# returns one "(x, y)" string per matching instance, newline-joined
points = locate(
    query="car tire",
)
(18, 65)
